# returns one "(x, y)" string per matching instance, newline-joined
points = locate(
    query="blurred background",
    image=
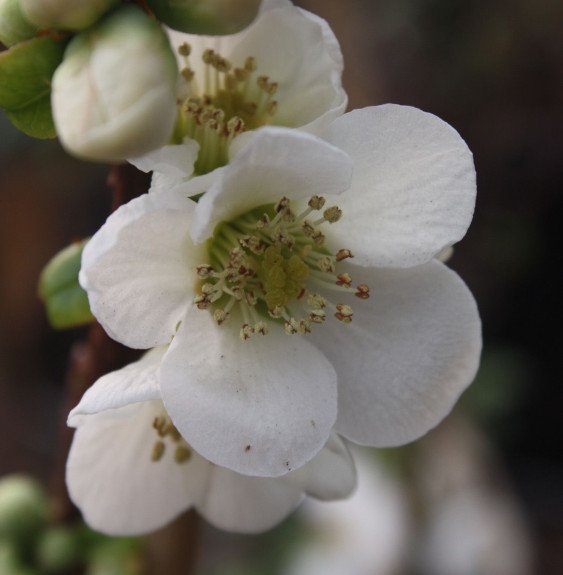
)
(482, 493)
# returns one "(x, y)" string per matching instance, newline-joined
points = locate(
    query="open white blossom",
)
(131, 472)
(284, 69)
(263, 289)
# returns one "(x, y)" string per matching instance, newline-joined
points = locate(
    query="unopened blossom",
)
(284, 69)
(65, 14)
(206, 16)
(113, 96)
(130, 471)
(301, 291)
(14, 26)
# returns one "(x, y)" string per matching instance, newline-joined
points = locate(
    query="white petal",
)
(277, 162)
(138, 269)
(112, 479)
(133, 383)
(331, 474)
(260, 407)
(413, 190)
(246, 504)
(299, 51)
(175, 161)
(410, 351)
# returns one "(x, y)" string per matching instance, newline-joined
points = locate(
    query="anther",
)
(316, 202)
(317, 315)
(182, 454)
(326, 264)
(332, 214)
(344, 280)
(158, 451)
(362, 291)
(220, 316)
(184, 49)
(250, 64)
(316, 301)
(343, 313)
(188, 74)
(246, 331)
(204, 271)
(343, 254)
(261, 328)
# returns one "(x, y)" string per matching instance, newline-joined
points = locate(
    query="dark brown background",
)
(491, 68)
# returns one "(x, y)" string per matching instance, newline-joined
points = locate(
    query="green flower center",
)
(226, 101)
(268, 265)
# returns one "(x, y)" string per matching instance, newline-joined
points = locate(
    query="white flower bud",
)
(65, 14)
(113, 96)
(14, 27)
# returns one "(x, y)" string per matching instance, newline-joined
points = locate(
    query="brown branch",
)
(175, 550)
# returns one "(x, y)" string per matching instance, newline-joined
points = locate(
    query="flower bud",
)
(113, 96)
(58, 549)
(65, 14)
(206, 16)
(23, 507)
(14, 27)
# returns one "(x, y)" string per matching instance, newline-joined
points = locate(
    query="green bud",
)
(116, 557)
(114, 95)
(206, 16)
(65, 301)
(23, 507)
(65, 14)
(59, 549)
(14, 27)
(26, 70)
(10, 562)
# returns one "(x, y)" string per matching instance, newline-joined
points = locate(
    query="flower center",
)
(227, 101)
(165, 429)
(267, 266)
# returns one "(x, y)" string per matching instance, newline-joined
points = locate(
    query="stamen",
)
(158, 451)
(267, 262)
(182, 454)
(343, 313)
(362, 291)
(343, 254)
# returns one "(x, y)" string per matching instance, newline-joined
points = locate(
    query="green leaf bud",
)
(65, 301)
(65, 14)
(23, 507)
(113, 96)
(14, 26)
(59, 549)
(206, 16)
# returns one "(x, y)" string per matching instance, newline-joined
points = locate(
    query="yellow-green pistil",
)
(268, 264)
(226, 101)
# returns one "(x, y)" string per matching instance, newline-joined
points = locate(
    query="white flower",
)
(130, 472)
(113, 96)
(284, 69)
(215, 276)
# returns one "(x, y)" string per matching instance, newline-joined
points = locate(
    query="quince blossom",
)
(287, 317)
(284, 69)
(131, 472)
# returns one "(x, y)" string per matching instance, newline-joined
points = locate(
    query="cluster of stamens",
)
(229, 101)
(165, 428)
(271, 263)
